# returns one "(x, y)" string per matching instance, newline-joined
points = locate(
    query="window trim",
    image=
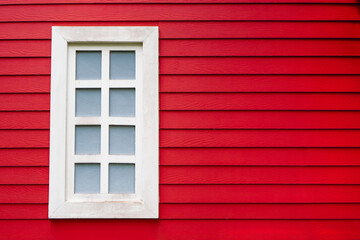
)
(147, 205)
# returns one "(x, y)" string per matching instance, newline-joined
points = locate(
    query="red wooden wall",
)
(260, 120)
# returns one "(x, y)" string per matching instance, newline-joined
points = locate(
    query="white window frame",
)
(63, 203)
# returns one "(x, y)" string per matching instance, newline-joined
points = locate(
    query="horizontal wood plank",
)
(213, 175)
(214, 193)
(212, 101)
(212, 83)
(259, 83)
(228, 29)
(179, 12)
(216, 156)
(24, 175)
(212, 138)
(24, 138)
(258, 175)
(252, 119)
(259, 101)
(259, 194)
(23, 211)
(25, 48)
(259, 138)
(211, 47)
(215, 120)
(24, 157)
(34, 120)
(73, 229)
(260, 156)
(24, 84)
(27, 102)
(260, 211)
(213, 65)
(258, 65)
(215, 211)
(259, 47)
(25, 66)
(24, 193)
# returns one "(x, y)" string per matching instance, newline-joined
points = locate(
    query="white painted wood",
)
(88, 84)
(63, 203)
(58, 123)
(106, 34)
(109, 158)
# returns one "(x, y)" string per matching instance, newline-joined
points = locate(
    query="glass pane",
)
(87, 178)
(87, 140)
(122, 65)
(88, 65)
(121, 178)
(122, 102)
(122, 140)
(88, 102)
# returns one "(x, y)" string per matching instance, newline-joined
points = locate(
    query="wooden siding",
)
(259, 118)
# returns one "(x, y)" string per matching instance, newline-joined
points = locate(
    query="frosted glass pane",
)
(88, 102)
(87, 178)
(122, 65)
(122, 102)
(88, 65)
(121, 178)
(87, 140)
(122, 140)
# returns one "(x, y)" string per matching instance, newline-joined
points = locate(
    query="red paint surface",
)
(260, 124)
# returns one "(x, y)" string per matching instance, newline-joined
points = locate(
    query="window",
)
(104, 123)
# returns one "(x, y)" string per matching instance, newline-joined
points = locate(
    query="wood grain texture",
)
(213, 175)
(189, 229)
(215, 211)
(259, 211)
(258, 119)
(25, 66)
(182, 30)
(214, 194)
(23, 211)
(259, 65)
(258, 175)
(179, 12)
(261, 156)
(212, 65)
(24, 175)
(24, 138)
(25, 84)
(24, 157)
(212, 47)
(259, 194)
(212, 83)
(216, 156)
(215, 120)
(25, 48)
(260, 83)
(217, 62)
(259, 138)
(169, 229)
(24, 193)
(259, 101)
(212, 101)
(212, 138)
(259, 47)
(27, 102)
(15, 120)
